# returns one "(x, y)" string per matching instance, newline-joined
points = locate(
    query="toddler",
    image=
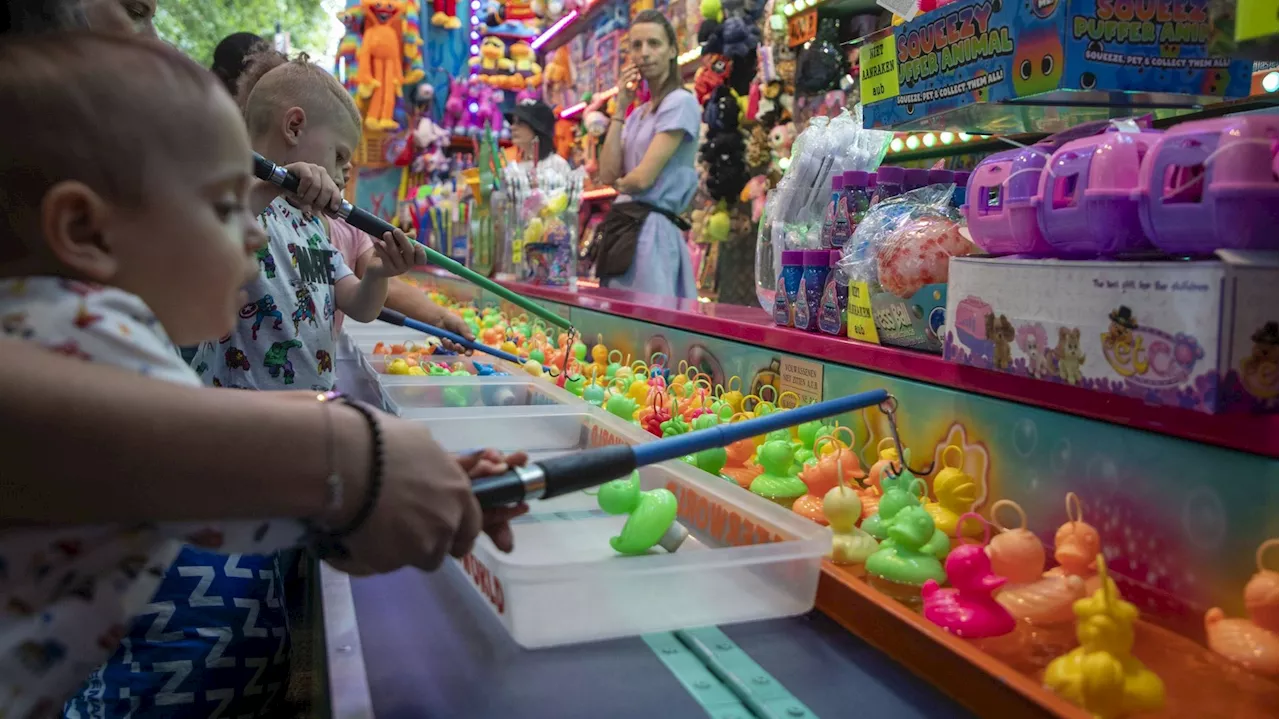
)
(298, 113)
(111, 251)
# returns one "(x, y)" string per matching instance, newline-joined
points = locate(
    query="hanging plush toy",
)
(389, 57)
(492, 60)
(755, 191)
(528, 71)
(455, 107)
(353, 20)
(565, 135)
(446, 14)
(712, 74)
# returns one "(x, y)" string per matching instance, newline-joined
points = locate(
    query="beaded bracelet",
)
(326, 541)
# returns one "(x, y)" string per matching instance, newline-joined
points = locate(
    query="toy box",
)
(914, 322)
(1040, 66)
(1200, 335)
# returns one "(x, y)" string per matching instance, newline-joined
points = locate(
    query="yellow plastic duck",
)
(599, 359)
(849, 543)
(956, 493)
(1101, 675)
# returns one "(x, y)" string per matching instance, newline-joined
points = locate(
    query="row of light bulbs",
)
(798, 6)
(929, 139)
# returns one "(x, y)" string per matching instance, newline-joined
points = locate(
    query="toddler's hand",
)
(317, 192)
(487, 463)
(456, 325)
(395, 254)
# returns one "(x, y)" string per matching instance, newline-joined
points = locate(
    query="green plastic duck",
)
(652, 517)
(711, 460)
(593, 394)
(674, 426)
(898, 497)
(777, 483)
(538, 356)
(575, 384)
(904, 556)
(807, 436)
(456, 397)
(622, 406)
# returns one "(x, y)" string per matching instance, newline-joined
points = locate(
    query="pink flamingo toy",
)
(968, 609)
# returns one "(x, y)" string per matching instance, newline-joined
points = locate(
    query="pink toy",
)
(1000, 204)
(454, 107)
(919, 254)
(968, 610)
(1086, 201)
(489, 113)
(1212, 185)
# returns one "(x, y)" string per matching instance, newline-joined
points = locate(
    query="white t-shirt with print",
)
(285, 337)
(67, 593)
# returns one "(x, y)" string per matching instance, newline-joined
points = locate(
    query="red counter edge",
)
(1257, 434)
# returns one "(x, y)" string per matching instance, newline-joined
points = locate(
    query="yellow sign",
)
(862, 323)
(803, 377)
(517, 251)
(878, 70)
(1255, 19)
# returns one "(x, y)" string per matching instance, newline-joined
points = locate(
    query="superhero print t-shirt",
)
(284, 338)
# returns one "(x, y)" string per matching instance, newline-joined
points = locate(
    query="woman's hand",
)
(628, 83)
(426, 509)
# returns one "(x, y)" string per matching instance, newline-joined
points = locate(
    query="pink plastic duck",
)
(968, 610)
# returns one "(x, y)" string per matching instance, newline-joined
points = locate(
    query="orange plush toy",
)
(389, 57)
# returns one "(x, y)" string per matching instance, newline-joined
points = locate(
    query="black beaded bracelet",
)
(328, 542)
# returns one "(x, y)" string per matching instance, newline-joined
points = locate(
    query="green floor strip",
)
(720, 676)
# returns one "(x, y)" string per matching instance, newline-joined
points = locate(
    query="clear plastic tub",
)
(746, 558)
(413, 397)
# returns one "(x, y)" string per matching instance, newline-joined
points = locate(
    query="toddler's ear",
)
(293, 123)
(73, 219)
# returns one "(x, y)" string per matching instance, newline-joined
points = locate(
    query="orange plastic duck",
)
(1047, 601)
(1075, 545)
(1016, 554)
(1252, 643)
(837, 466)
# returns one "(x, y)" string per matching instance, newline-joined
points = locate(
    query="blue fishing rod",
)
(568, 473)
(398, 318)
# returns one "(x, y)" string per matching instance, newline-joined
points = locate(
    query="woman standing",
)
(649, 159)
(533, 126)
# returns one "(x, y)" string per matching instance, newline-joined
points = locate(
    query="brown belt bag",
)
(615, 247)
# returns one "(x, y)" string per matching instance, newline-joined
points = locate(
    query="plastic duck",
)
(905, 556)
(537, 355)
(674, 426)
(621, 406)
(849, 544)
(579, 350)
(639, 390)
(533, 367)
(575, 384)
(968, 610)
(897, 497)
(776, 483)
(807, 436)
(737, 457)
(398, 366)
(838, 467)
(600, 358)
(733, 397)
(456, 397)
(651, 516)
(956, 492)
(1101, 675)
(611, 370)
(1016, 554)
(1075, 545)
(1252, 643)
(712, 460)
(593, 393)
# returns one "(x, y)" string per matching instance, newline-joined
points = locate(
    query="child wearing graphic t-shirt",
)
(298, 113)
(82, 273)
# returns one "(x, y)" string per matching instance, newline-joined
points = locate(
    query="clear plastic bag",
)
(906, 242)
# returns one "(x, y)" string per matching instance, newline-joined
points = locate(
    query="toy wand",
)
(581, 470)
(397, 318)
(366, 222)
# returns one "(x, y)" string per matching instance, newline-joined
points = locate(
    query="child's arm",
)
(362, 299)
(413, 303)
(317, 192)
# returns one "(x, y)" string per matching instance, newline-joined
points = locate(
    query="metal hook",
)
(890, 409)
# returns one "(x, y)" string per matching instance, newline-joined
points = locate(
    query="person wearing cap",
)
(533, 127)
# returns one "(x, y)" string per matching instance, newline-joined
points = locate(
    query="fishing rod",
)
(398, 318)
(568, 473)
(373, 225)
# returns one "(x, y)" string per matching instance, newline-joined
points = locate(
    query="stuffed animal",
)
(559, 72)
(721, 111)
(446, 14)
(565, 136)
(711, 10)
(492, 60)
(490, 112)
(754, 193)
(740, 38)
(758, 151)
(718, 225)
(353, 20)
(389, 56)
(454, 107)
(529, 71)
(714, 71)
(780, 139)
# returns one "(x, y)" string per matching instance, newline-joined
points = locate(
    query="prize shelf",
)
(1256, 434)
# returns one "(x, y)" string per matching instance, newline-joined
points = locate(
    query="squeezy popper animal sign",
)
(965, 54)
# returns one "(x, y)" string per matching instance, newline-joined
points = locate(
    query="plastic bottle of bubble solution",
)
(813, 279)
(784, 299)
(959, 197)
(835, 299)
(856, 198)
(888, 183)
(914, 179)
(829, 219)
(840, 229)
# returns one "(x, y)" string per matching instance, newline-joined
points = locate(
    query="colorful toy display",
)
(968, 609)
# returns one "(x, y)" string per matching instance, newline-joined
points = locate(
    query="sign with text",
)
(802, 27)
(804, 377)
